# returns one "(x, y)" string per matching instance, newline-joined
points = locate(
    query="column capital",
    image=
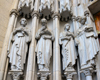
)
(88, 72)
(16, 74)
(43, 74)
(35, 13)
(14, 11)
(74, 18)
(70, 75)
(86, 13)
(56, 15)
(78, 18)
(69, 72)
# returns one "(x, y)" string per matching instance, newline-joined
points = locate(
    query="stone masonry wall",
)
(5, 7)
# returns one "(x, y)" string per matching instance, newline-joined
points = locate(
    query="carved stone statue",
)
(68, 47)
(19, 40)
(87, 46)
(44, 46)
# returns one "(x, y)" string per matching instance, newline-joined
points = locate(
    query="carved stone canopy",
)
(24, 8)
(43, 75)
(65, 10)
(46, 9)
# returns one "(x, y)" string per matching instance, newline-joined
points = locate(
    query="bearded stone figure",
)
(44, 46)
(18, 46)
(87, 46)
(68, 47)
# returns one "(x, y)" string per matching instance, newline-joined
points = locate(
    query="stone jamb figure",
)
(68, 48)
(87, 46)
(18, 46)
(44, 46)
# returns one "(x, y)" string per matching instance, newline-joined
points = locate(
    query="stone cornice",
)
(35, 13)
(14, 11)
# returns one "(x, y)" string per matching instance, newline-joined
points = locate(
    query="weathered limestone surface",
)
(46, 58)
(4, 18)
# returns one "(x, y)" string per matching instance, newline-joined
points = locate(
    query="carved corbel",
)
(74, 18)
(70, 75)
(16, 74)
(88, 72)
(43, 75)
(69, 72)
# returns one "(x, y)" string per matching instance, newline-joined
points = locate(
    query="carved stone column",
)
(30, 74)
(56, 48)
(88, 73)
(4, 54)
(79, 21)
(75, 14)
(75, 24)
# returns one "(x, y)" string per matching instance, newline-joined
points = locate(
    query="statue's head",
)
(67, 26)
(23, 22)
(44, 22)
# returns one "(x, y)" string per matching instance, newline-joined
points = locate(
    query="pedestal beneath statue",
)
(15, 74)
(43, 75)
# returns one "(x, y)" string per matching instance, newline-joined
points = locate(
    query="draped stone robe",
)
(81, 41)
(44, 48)
(92, 45)
(18, 50)
(87, 46)
(68, 49)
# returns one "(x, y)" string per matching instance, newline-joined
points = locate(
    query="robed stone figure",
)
(18, 46)
(68, 48)
(87, 46)
(44, 46)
